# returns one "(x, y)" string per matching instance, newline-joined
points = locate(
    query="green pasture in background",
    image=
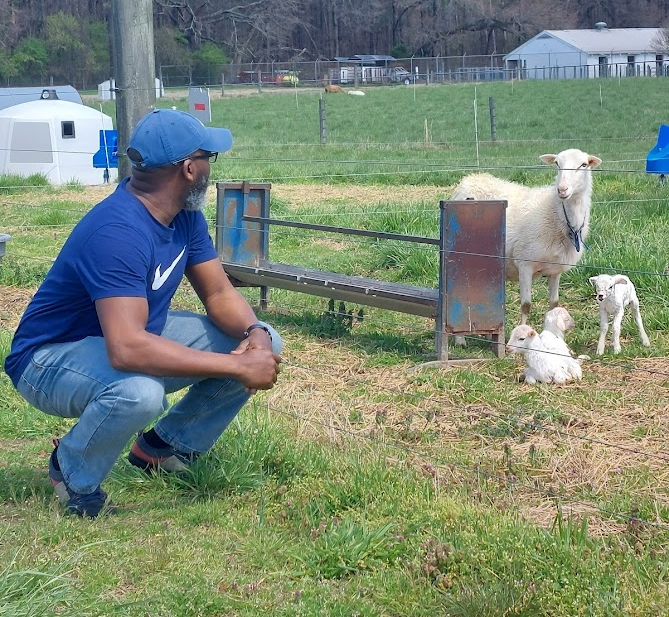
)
(428, 135)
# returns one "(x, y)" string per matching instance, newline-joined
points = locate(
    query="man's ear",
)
(187, 170)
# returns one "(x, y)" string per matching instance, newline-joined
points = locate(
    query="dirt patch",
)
(13, 301)
(362, 196)
(585, 454)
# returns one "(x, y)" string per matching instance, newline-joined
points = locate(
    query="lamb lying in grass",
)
(543, 364)
(613, 293)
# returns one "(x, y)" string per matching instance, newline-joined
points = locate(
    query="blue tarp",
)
(107, 156)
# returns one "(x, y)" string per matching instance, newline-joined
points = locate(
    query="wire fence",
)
(438, 461)
(378, 71)
(430, 70)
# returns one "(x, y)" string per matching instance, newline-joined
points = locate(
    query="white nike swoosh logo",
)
(159, 279)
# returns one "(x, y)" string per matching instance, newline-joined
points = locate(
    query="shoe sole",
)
(170, 464)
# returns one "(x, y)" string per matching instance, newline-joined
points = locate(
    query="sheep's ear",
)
(531, 333)
(594, 161)
(561, 324)
(549, 159)
(592, 280)
(620, 281)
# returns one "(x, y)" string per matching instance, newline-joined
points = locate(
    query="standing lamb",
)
(542, 364)
(613, 293)
(546, 226)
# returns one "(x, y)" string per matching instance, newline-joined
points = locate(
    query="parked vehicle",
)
(278, 78)
(398, 74)
(287, 78)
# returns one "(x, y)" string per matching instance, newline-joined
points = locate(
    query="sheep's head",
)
(521, 339)
(558, 320)
(573, 170)
(604, 285)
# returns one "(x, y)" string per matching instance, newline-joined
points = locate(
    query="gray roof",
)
(365, 58)
(14, 96)
(608, 40)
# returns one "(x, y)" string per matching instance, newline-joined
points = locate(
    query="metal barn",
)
(587, 53)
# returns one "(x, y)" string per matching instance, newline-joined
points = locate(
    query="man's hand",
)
(257, 339)
(258, 368)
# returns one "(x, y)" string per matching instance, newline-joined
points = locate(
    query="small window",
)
(67, 129)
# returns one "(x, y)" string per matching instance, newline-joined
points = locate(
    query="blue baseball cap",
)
(166, 136)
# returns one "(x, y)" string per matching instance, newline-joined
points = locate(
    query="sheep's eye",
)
(521, 339)
(584, 165)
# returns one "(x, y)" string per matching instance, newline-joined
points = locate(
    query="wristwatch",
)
(254, 326)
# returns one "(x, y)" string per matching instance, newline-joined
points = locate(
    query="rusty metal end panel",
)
(240, 241)
(475, 234)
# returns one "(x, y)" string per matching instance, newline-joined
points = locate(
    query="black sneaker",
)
(90, 505)
(148, 458)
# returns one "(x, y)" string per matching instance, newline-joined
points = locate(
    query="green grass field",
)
(364, 484)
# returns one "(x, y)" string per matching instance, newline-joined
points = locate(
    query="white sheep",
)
(542, 364)
(546, 226)
(613, 293)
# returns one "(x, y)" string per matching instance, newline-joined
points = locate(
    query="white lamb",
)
(542, 364)
(613, 293)
(546, 226)
(556, 322)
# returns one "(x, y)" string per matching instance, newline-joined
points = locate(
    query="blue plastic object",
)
(107, 156)
(657, 161)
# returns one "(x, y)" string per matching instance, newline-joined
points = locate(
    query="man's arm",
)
(131, 348)
(225, 306)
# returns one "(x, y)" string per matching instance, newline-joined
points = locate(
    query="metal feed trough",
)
(471, 293)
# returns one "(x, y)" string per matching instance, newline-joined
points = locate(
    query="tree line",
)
(67, 41)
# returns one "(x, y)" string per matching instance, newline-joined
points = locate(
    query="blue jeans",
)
(75, 380)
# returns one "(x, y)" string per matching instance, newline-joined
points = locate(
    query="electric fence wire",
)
(339, 213)
(304, 307)
(532, 426)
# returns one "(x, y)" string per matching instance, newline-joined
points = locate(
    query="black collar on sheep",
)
(576, 236)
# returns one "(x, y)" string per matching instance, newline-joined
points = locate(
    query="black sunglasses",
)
(212, 156)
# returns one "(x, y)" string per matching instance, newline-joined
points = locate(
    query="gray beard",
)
(197, 196)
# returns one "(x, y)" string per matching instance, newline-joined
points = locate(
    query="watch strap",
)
(257, 325)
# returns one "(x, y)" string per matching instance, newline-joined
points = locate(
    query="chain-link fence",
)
(355, 72)
(449, 69)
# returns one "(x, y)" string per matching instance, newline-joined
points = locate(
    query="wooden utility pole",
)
(133, 62)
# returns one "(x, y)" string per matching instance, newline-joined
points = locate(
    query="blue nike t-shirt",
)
(117, 250)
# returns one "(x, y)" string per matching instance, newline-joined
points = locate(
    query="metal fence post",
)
(493, 118)
(321, 117)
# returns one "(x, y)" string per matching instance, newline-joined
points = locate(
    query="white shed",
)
(597, 52)
(106, 90)
(54, 138)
